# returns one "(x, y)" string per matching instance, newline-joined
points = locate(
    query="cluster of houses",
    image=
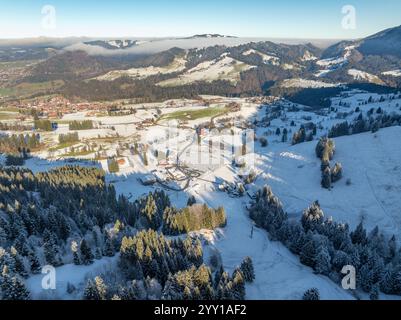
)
(58, 106)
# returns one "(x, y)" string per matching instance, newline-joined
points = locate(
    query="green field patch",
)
(63, 146)
(9, 109)
(195, 114)
(30, 88)
(8, 115)
(17, 64)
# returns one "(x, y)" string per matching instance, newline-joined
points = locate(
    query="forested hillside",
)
(70, 215)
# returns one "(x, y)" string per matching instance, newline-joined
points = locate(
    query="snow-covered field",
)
(224, 68)
(394, 73)
(68, 275)
(279, 274)
(371, 163)
(303, 83)
(141, 73)
(333, 63)
(362, 75)
(369, 160)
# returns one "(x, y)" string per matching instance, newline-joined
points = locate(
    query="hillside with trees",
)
(70, 215)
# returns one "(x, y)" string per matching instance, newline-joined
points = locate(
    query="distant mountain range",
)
(213, 64)
(376, 58)
(208, 35)
(113, 44)
(384, 43)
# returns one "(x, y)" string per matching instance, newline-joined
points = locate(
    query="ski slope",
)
(371, 161)
(279, 274)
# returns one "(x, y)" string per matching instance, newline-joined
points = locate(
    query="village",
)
(171, 144)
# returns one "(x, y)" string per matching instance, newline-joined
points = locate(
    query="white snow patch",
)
(362, 75)
(394, 73)
(141, 73)
(303, 83)
(224, 68)
(266, 57)
(308, 57)
(69, 274)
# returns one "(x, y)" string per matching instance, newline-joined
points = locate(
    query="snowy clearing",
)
(224, 68)
(141, 73)
(362, 75)
(303, 83)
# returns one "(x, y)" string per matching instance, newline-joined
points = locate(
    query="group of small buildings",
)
(57, 107)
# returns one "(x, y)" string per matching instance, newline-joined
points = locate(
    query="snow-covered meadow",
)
(369, 191)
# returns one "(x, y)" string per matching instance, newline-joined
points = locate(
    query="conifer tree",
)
(13, 288)
(311, 294)
(248, 270)
(312, 217)
(108, 246)
(34, 262)
(95, 289)
(74, 249)
(191, 201)
(50, 249)
(19, 264)
(238, 285)
(86, 253)
(336, 172)
(359, 235)
(326, 178)
(374, 292)
(323, 264)
(308, 253)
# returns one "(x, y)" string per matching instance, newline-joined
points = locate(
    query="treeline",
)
(44, 125)
(70, 215)
(71, 204)
(143, 91)
(68, 138)
(21, 143)
(81, 125)
(14, 127)
(12, 160)
(365, 124)
(317, 98)
(192, 218)
(328, 246)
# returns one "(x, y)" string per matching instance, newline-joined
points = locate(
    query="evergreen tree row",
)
(154, 267)
(5, 126)
(191, 218)
(43, 125)
(16, 144)
(81, 125)
(328, 246)
(70, 215)
(68, 137)
(365, 124)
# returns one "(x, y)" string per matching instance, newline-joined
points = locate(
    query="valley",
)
(207, 167)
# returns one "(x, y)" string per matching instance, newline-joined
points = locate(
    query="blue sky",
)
(159, 18)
